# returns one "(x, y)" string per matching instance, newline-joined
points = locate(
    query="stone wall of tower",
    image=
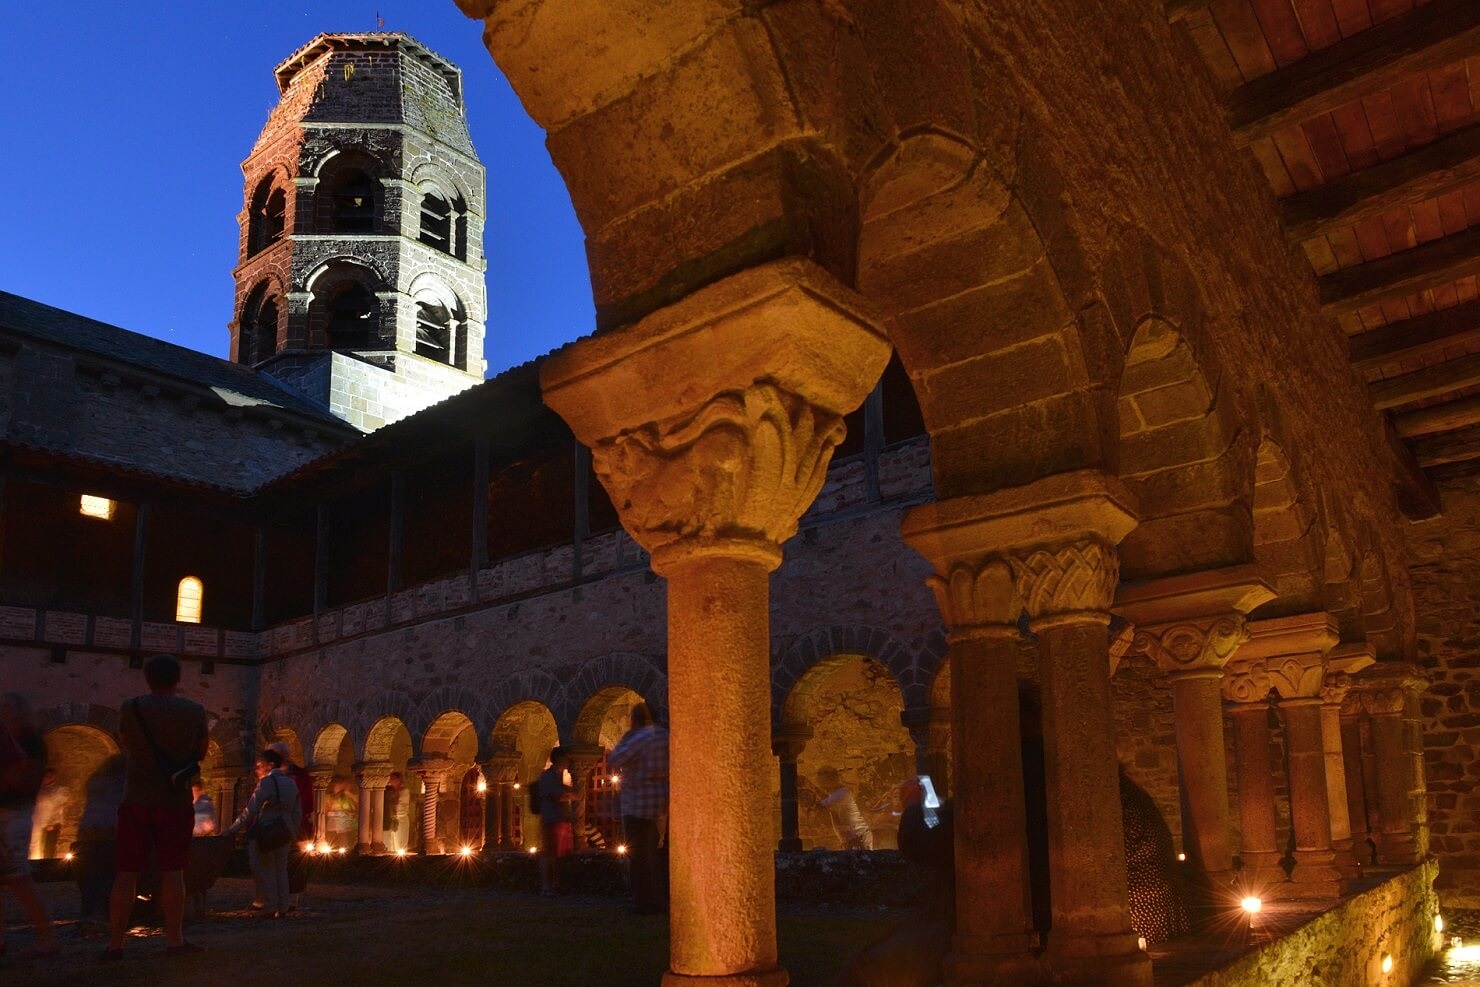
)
(386, 99)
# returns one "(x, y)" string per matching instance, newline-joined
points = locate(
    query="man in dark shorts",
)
(161, 733)
(557, 841)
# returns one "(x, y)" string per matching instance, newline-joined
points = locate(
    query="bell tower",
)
(360, 278)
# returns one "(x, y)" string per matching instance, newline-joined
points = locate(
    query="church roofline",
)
(367, 41)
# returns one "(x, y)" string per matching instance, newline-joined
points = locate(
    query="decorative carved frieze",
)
(743, 468)
(1245, 680)
(1297, 676)
(1193, 645)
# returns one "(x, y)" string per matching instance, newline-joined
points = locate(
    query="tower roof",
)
(367, 41)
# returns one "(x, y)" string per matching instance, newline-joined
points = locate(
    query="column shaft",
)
(1259, 848)
(1202, 769)
(510, 803)
(1336, 796)
(1087, 871)
(790, 823)
(1315, 873)
(1356, 793)
(723, 919)
(430, 842)
(994, 917)
(1396, 842)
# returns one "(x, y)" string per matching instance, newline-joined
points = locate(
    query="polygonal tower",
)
(361, 274)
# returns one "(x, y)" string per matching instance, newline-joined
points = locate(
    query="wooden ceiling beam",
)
(1427, 38)
(1452, 447)
(1430, 382)
(1438, 418)
(1416, 338)
(1430, 265)
(1427, 173)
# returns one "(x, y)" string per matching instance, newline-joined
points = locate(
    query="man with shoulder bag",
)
(271, 819)
(164, 738)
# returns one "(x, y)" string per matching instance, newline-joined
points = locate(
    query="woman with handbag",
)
(271, 820)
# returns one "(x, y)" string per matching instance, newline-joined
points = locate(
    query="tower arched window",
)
(189, 599)
(266, 217)
(352, 202)
(259, 328)
(434, 332)
(436, 222)
(353, 322)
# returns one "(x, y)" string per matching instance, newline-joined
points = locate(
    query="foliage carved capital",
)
(741, 469)
(1297, 676)
(1334, 688)
(1245, 680)
(973, 596)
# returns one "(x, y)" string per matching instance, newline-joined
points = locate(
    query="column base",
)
(1397, 850)
(1005, 959)
(1346, 860)
(1111, 961)
(1315, 876)
(776, 977)
(1259, 874)
(378, 848)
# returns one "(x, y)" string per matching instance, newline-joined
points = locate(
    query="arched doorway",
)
(604, 719)
(388, 749)
(452, 738)
(522, 736)
(76, 753)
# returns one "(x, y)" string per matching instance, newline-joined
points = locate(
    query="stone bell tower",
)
(360, 280)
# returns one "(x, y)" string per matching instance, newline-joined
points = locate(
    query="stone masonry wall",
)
(1444, 558)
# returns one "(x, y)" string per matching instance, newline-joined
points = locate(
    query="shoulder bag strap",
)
(159, 757)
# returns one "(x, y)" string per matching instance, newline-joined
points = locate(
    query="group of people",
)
(640, 760)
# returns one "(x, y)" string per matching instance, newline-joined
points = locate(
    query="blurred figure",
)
(297, 860)
(94, 848)
(641, 758)
(342, 817)
(205, 810)
(553, 795)
(274, 801)
(22, 764)
(397, 814)
(847, 820)
(46, 822)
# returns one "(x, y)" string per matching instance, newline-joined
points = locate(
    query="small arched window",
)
(436, 222)
(267, 217)
(259, 327)
(434, 331)
(188, 600)
(352, 321)
(352, 202)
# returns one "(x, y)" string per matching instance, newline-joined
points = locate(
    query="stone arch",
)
(75, 751)
(531, 685)
(1181, 449)
(328, 746)
(388, 705)
(434, 176)
(445, 733)
(913, 668)
(349, 197)
(260, 320)
(268, 196)
(104, 718)
(447, 699)
(606, 711)
(1289, 544)
(525, 729)
(640, 673)
(441, 321)
(387, 738)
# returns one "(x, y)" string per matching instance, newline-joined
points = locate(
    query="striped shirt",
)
(642, 760)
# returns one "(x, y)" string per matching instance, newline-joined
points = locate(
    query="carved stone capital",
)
(741, 469)
(1245, 680)
(790, 740)
(1385, 688)
(1078, 577)
(1335, 687)
(711, 421)
(972, 597)
(1198, 645)
(503, 769)
(373, 774)
(1297, 676)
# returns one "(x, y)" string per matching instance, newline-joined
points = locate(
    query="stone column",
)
(321, 779)
(1246, 686)
(787, 744)
(512, 793)
(711, 423)
(1357, 795)
(501, 770)
(372, 779)
(1190, 626)
(432, 772)
(1293, 651)
(583, 761)
(1389, 694)
(1342, 662)
(1047, 549)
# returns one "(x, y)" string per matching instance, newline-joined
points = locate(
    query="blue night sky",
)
(124, 128)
